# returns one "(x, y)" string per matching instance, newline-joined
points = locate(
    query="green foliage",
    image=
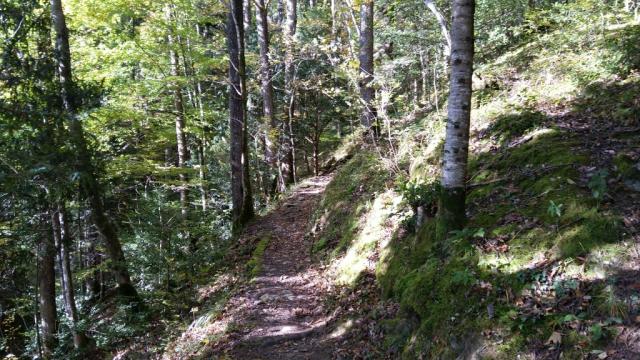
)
(554, 210)
(545, 66)
(419, 193)
(623, 47)
(121, 324)
(598, 184)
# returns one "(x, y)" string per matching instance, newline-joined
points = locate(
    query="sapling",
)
(598, 185)
(555, 211)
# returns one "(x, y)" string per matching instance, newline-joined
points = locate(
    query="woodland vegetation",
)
(293, 179)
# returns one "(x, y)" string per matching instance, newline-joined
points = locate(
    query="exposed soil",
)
(281, 314)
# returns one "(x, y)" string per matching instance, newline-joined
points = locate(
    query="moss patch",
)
(254, 265)
(350, 195)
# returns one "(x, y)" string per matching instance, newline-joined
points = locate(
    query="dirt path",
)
(280, 314)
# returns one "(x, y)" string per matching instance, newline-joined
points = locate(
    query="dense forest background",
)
(150, 151)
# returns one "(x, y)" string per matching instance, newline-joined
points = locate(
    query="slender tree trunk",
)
(36, 306)
(287, 141)
(424, 69)
(443, 24)
(266, 84)
(62, 239)
(47, 295)
(203, 175)
(417, 87)
(178, 103)
(242, 202)
(279, 12)
(367, 92)
(454, 168)
(246, 16)
(93, 283)
(90, 186)
(435, 83)
(334, 22)
(316, 145)
(271, 157)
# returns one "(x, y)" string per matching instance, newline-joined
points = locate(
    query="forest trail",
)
(281, 314)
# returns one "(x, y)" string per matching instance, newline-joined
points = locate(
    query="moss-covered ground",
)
(543, 267)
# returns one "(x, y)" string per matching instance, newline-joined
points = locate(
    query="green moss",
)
(615, 101)
(254, 265)
(347, 198)
(596, 229)
(433, 279)
(403, 256)
(319, 245)
(516, 123)
(527, 160)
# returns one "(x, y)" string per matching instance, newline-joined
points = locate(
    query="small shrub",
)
(420, 193)
(598, 184)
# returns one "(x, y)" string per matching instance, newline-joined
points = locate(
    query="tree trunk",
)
(424, 70)
(443, 24)
(454, 168)
(178, 103)
(279, 12)
(62, 239)
(246, 16)
(287, 141)
(334, 26)
(266, 88)
(242, 202)
(367, 93)
(90, 186)
(36, 310)
(203, 175)
(316, 145)
(435, 83)
(417, 87)
(93, 261)
(47, 295)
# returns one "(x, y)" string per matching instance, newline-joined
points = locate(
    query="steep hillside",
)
(549, 263)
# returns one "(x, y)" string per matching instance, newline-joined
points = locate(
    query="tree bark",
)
(242, 202)
(266, 88)
(334, 24)
(47, 295)
(89, 183)
(443, 24)
(246, 16)
(424, 70)
(367, 92)
(61, 236)
(316, 144)
(418, 86)
(279, 12)
(456, 146)
(287, 141)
